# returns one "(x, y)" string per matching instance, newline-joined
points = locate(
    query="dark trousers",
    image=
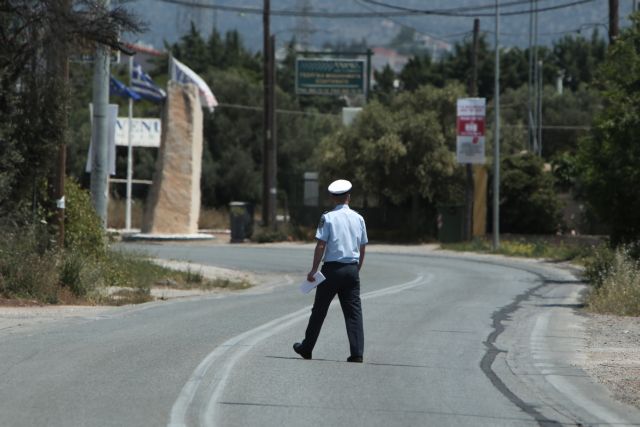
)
(344, 280)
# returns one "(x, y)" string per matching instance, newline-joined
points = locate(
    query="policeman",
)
(341, 238)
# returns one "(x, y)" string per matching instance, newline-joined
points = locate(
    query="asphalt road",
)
(448, 341)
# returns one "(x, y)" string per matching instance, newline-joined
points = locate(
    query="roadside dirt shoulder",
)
(613, 355)
(13, 319)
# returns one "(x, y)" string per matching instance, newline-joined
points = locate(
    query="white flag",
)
(183, 74)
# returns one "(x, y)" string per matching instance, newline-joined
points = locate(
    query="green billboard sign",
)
(330, 76)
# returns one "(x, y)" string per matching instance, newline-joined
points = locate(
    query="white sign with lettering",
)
(470, 124)
(146, 132)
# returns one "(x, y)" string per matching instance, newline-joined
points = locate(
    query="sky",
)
(167, 21)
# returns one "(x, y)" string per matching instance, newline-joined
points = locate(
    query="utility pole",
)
(272, 149)
(531, 86)
(496, 137)
(269, 191)
(614, 20)
(473, 92)
(100, 131)
(369, 53)
(540, 93)
(473, 86)
(129, 152)
(60, 64)
(536, 81)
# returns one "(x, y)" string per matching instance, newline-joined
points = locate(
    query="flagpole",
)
(129, 151)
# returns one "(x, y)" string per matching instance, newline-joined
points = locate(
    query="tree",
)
(457, 65)
(192, 50)
(609, 157)
(400, 153)
(571, 111)
(577, 58)
(384, 88)
(528, 201)
(34, 39)
(419, 71)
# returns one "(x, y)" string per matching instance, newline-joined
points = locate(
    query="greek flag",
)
(182, 74)
(144, 86)
(116, 87)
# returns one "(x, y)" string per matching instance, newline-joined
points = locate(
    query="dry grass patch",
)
(117, 215)
(213, 219)
(545, 247)
(616, 284)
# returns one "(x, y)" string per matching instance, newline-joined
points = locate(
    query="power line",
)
(278, 110)
(550, 127)
(463, 12)
(458, 9)
(582, 27)
(282, 12)
(424, 33)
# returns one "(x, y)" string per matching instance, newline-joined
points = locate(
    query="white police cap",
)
(339, 187)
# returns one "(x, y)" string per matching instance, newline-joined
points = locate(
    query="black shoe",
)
(354, 359)
(297, 347)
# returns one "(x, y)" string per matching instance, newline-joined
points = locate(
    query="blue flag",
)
(116, 87)
(141, 83)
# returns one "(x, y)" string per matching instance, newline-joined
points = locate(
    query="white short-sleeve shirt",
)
(344, 231)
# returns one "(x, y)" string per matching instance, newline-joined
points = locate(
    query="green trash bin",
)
(451, 223)
(241, 217)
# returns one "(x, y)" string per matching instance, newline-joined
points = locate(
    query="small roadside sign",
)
(470, 130)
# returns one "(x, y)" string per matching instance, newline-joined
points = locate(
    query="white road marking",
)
(542, 354)
(248, 339)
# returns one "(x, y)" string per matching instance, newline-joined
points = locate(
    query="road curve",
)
(449, 340)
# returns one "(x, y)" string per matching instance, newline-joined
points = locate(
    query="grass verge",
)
(29, 271)
(550, 247)
(34, 268)
(136, 275)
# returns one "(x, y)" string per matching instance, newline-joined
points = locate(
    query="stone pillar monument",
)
(173, 203)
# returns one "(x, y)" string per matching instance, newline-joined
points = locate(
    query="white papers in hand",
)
(307, 286)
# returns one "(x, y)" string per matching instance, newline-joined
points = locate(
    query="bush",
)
(268, 235)
(27, 269)
(618, 291)
(83, 228)
(599, 266)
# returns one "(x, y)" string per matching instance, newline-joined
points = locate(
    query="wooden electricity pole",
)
(271, 149)
(265, 113)
(614, 21)
(473, 92)
(269, 191)
(59, 63)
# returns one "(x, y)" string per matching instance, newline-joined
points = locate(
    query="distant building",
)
(146, 55)
(436, 47)
(383, 56)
